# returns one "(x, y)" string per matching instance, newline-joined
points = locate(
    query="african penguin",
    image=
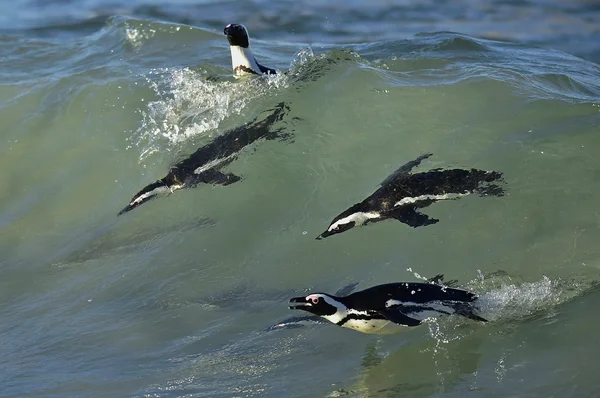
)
(203, 166)
(299, 321)
(242, 58)
(388, 308)
(401, 195)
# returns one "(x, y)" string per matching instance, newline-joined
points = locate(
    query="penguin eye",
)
(315, 300)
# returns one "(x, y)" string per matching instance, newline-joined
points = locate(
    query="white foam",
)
(302, 57)
(512, 301)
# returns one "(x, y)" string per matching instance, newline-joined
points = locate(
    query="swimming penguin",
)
(242, 58)
(299, 321)
(203, 166)
(386, 309)
(402, 194)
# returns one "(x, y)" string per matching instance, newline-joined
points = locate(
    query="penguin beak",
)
(300, 304)
(324, 235)
(127, 208)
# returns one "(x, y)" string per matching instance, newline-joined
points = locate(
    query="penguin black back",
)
(376, 296)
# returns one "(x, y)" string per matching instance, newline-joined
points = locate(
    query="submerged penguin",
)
(402, 194)
(386, 309)
(203, 166)
(242, 58)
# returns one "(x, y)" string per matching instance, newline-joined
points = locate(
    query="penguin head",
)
(237, 35)
(353, 217)
(338, 226)
(162, 186)
(318, 303)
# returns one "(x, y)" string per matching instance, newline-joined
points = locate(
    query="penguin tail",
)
(468, 311)
(489, 182)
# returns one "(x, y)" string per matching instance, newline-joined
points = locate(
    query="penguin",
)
(299, 321)
(401, 195)
(243, 61)
(389, 308)
(203, 166)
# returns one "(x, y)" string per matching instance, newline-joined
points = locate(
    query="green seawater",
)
(177, 297)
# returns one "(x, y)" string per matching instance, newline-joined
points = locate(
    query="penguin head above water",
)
(160, 187)
(320, 304)
(237, 35)
(242, 58)
(353, 217)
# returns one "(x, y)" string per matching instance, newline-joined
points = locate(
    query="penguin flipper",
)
(298, 322)
(215, 177)
(396, 316)
(413, 218)
(406, 168)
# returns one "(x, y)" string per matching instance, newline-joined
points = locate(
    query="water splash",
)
(191, 103)
(505, 299)
(139, 32)
(136, 36)
(512, 301)
(302, 57)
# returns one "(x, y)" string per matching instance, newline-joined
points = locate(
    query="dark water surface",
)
(177, 297)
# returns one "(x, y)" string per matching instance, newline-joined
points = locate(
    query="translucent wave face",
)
(191, 103)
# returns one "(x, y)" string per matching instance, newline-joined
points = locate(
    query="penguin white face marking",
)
(321, 304)
(348, 222)
(357, 218)
(156, 191)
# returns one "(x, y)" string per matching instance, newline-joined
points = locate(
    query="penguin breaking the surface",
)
(299, 321)
(386, 309)
(402, 194)
(242, 58)
(203, 166)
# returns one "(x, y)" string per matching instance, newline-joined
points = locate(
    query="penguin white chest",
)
(374, 326)
(243, 61)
